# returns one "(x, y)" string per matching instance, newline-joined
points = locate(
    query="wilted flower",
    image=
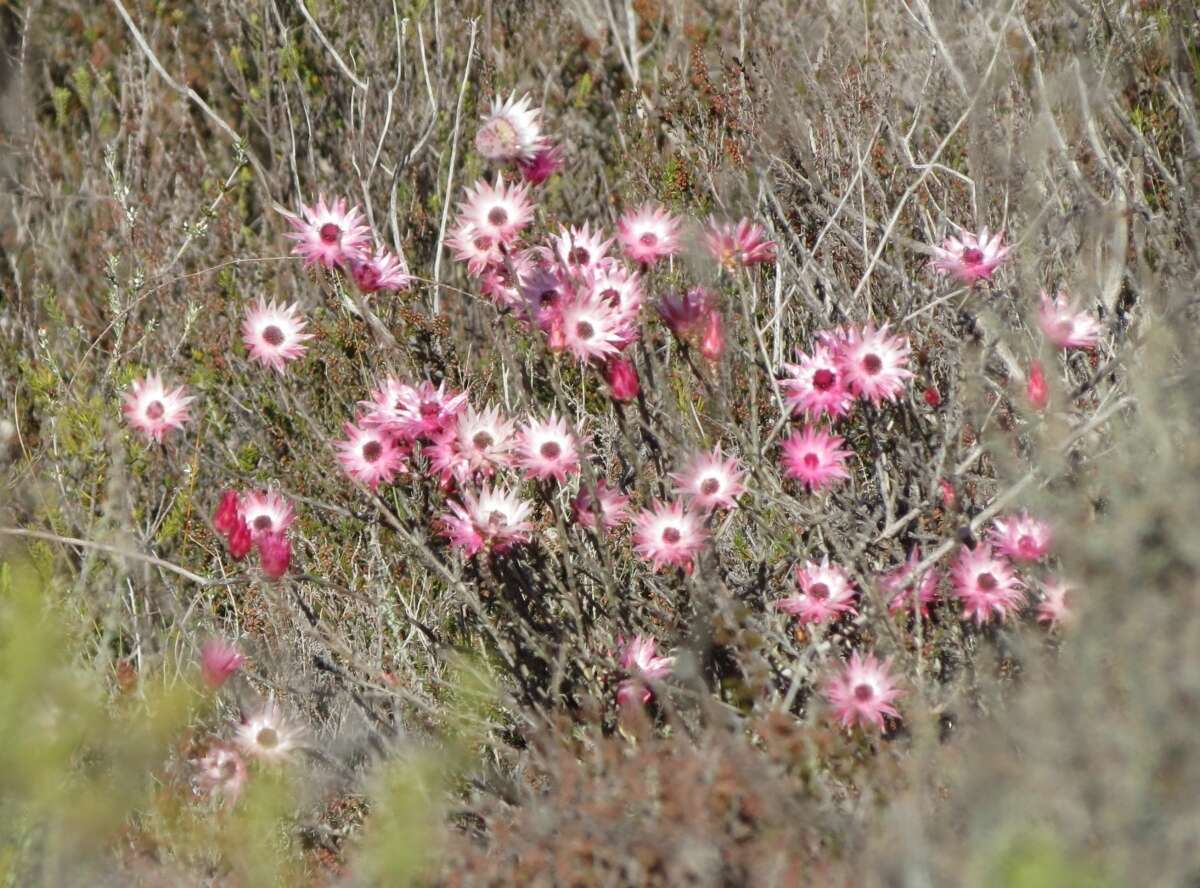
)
(329, 235)
(275, 335)
(1055, 607)
(971, 257)
(546, 161)
(863, 692)
(686, 313)
(154, 411)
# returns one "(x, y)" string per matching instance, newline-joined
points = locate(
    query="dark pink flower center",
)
(330, 233)
(584, 330)
(483, 244)
(1064, 327)
(497, 519)
(262, 522)
(273, 336)
(671, 535)
(155, 410)
(986, 582)
(497, 216)
(371, 451)
(550, 450)
(823, 380)
(579, 256)
(710, 486)
(612, 296)
(367, 276)
(1028, 545)
(228, 769)
(482, 440)
(649, 239)
(972, 256)
(863, 692)
(430, 408)
(811, 460)
(872, 364)
(818, 591)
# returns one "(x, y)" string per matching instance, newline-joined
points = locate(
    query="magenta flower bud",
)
(274, 554)
(240, 539)
(225, 518)
(544, 163)
(622, 379)
(1035, 390)
(218, 661)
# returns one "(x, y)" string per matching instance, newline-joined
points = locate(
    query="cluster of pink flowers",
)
(336, 237)
(259, 519)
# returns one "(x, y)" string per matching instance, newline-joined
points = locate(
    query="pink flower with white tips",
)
(152, 410)
(370, 455)
(668, 534)
(474, 247)
(711, 481)
(498, 212)
(814, 457)
(268, 735)
(545, 291)
(648, 233)
(275, 335)
(504, 283)
(266, 512)
(969, 257)
(219, 774)
(874, 364)
(382, 271)
(744, 243)
(902, 587)
(510, 130)
(590, 328)
(548, 450)
(497, 518)
(485, 439)
(610, 504)
(1055, 608)
(420, 412)
(815, 386)
(826, 592)
(1064, 325)
(621, 288)
(545, 162)
(580, 249)
(863, 693)
(986, 585)
(329, 235)
(637, 657)
(1021, 537)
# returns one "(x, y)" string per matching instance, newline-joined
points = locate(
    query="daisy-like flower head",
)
(388, 406)
(874, 365)
(504, 283)
(711, 481)
(815, 386)
(475, 247)
(1064, 325)
(510, 130)
(546, 161)
(580, 249)
(370, 455)
(814, 457)
(382, 271)
(497, 518)
(621, 288)
(686, 313)
(590, 328)
(154, 411)
(1021, 537)
(548, 450)
(426, 411)
(742, 243)
(485, 439)
(902, 588)
(275, 335)
(826, 592)
(610, 504)
(545, 291)
(637, 657)
(668, 534)
(648, 233)
(1055, 608)
(986, 585)
(219, 774)
(970, 257)
(268, 735)
(863, 693)
(497, 211)
(266, 512)
(329, 234)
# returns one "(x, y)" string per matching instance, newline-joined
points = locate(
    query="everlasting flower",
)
(986, 585)
(484, 439)
(152, 410)
(267, 735)
(548, 450)
(370, 455)
(1055, 607)
(622, 379)
(743, 243)
(668, 534)
(590, 328)
(275, 335)
(504, 282)
(421, 412)
(637, 658)
(603, 499)
(329, 235)
(497, 212)
(545, 291)
(266, 512)
(863, 692)
(710, 481)
(826, 592)
(476, 248)
(611, 281)
(580, 249)
(225, 517)
(1022, 537)
(874, 364)
(240, 540)
(497, 517)
(510, 130)
(648, 233)
(902, 587)
(814, 457)
(383, 271)
(546, 161)
(686, 313)
(1036, 391)
(218, 661)
(219, 774)
(712, 342)
(815, 387)
(970, 258)
(274, 554)
(1064, 325)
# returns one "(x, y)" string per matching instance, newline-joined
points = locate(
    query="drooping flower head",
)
(814, 457)
(874, 365)
(711, 481)
(905, 592)
(267, 734)
(637, 658)
(825, 592)
(328, 234)
(266, 512)
(1021, 537)
(610, 503)
(497, 518)
(497, 211)
(219, 774)
(648, 233)
(580, 249)
(548, 450)
(686, 313)
(1064, 325)
(218, 660)
(969, 257)
(510, 130)
(546, 161)
(152, 410)
(382, 271)
(274, 334)
(863, 692)
(370, 455)
(590, 328)
(742, 243)
(986, 585)
(668, 534)
(1056, 608)
(815, 387)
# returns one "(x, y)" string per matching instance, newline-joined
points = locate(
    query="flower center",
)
(371, 451)
(823, 380)
(551, 450)
(649, 239)
(267, 738)
(872, 364)
(155, 410)
(430, 408)
(671, 535)
(818, 591)
(972, 256)
(330, 233)
(262, 522)
(584, 330)
(863, 693)
(483, 243)
(482, 440)
(811, 460)
(579, 256)
(497, 519)
(498, 137)
(611, 295)
(548, 298)
(497, 216)
(986, 582)
(228, 769)
(1028, 545)
(710, 486)
(273, 336)
(367, 276)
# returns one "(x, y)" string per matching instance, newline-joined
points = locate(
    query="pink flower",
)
(240, 540)
(648, 233)
(826, 592)
(863, 692)
(225, 517)
(498, 212)
(152, 410)
(814, 457)
(668, 534)
(510, 130)
(485, 440)
(422, 412)
(383, 271)
(1055, 607)
(548, 450)
(218, 661)
(1036, 391)
(902, 586)
(744, 244)
(590, 328)
(546, 161)
(1022, 537)
(1064, 325)
(815, 386)
(622, 379)
(475, 247)
(580, 249)
(219, 774)
(545, 291)
(986, 585)
(266, 512)
(274, 554)
(274, 335)
(610, 504)
(873, 364)
(503, 282)
(686, 313)
(972, 257)
(370, 455)
(637, 658)
(710, 481)
(712, 343)
(612, 282)
(497, 518)
(329, 235)
(268, 735)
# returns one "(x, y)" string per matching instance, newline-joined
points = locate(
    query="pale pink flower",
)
(476, 248)
(266, 512)
(580, 249)
(497, 211)
(504, 282)
(1065, 325)
(970, 257)
(648, 233)
(826, 592)
(902, 586)
(497, 518)
(329, 235)
(274, 334)
(637, 658)
(510, 130)
(590, 328)
(548, 450)
(219, 774)
(668, 534)
(1056, 607)
(743, 243)
(874, 364)
(603, 499)
(621, 288)
(863, 692)
(152, 410)
(815, 386)
(274, 554)
(986, 585)
(545, 162)
(370, 455)
(545, 291)
(485, 439)
(1021, 537)
(268, 735)
(686, 313)
(382, 271)
(814, 457)
(218, 660)
(711, 481)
